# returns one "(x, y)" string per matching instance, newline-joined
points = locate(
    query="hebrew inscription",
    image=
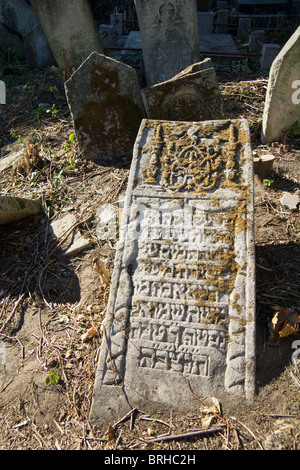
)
(182, 294)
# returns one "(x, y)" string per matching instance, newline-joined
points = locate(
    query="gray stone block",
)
(116, 21)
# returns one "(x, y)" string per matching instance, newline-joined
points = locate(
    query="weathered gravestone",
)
(192, 95)
(169, 33)
(70, 29)
(181, 306)
(282, 104)
(106, 106)
(18, 16)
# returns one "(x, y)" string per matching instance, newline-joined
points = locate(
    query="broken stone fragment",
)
(14, 208)
(74, 242)
(192, 95)
(291, 201)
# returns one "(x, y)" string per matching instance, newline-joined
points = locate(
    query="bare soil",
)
(51, 306)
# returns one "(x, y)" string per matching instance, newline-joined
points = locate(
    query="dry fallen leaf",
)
(89, 334)
(150, 432)
(284, 323)
(212, 413)
(111, 438)
(101, 269)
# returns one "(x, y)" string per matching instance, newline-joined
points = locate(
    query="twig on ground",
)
(21, 297)
(197, 432)
(249, 431)
(129, 414)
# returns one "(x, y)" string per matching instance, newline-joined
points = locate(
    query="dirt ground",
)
(52, 306)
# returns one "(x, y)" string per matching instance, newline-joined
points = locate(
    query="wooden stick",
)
(124, 417)
(197, 432)
(145, 418)
(13, 311)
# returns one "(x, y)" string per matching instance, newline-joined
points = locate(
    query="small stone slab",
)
(105, 100)
(291, 201)
(192, 95)
(182, 299)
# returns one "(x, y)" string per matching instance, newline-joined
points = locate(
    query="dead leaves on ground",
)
(284, 323)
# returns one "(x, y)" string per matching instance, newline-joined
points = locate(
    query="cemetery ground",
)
(52, 306)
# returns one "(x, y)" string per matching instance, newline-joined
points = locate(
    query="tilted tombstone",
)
(192, 95)
(169, 33)
(70, 30)
(106, 105)
(282, 103)
(182, 300)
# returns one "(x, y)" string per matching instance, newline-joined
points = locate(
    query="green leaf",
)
(268, 182)
(52, 377)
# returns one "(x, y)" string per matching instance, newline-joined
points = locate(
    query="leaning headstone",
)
(282, 106)
(169, 35)
(192, 95)
(15, 208)
(106, 105)
(70, 29)
(181, 312)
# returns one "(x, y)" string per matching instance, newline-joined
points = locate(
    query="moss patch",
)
(112, 124)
